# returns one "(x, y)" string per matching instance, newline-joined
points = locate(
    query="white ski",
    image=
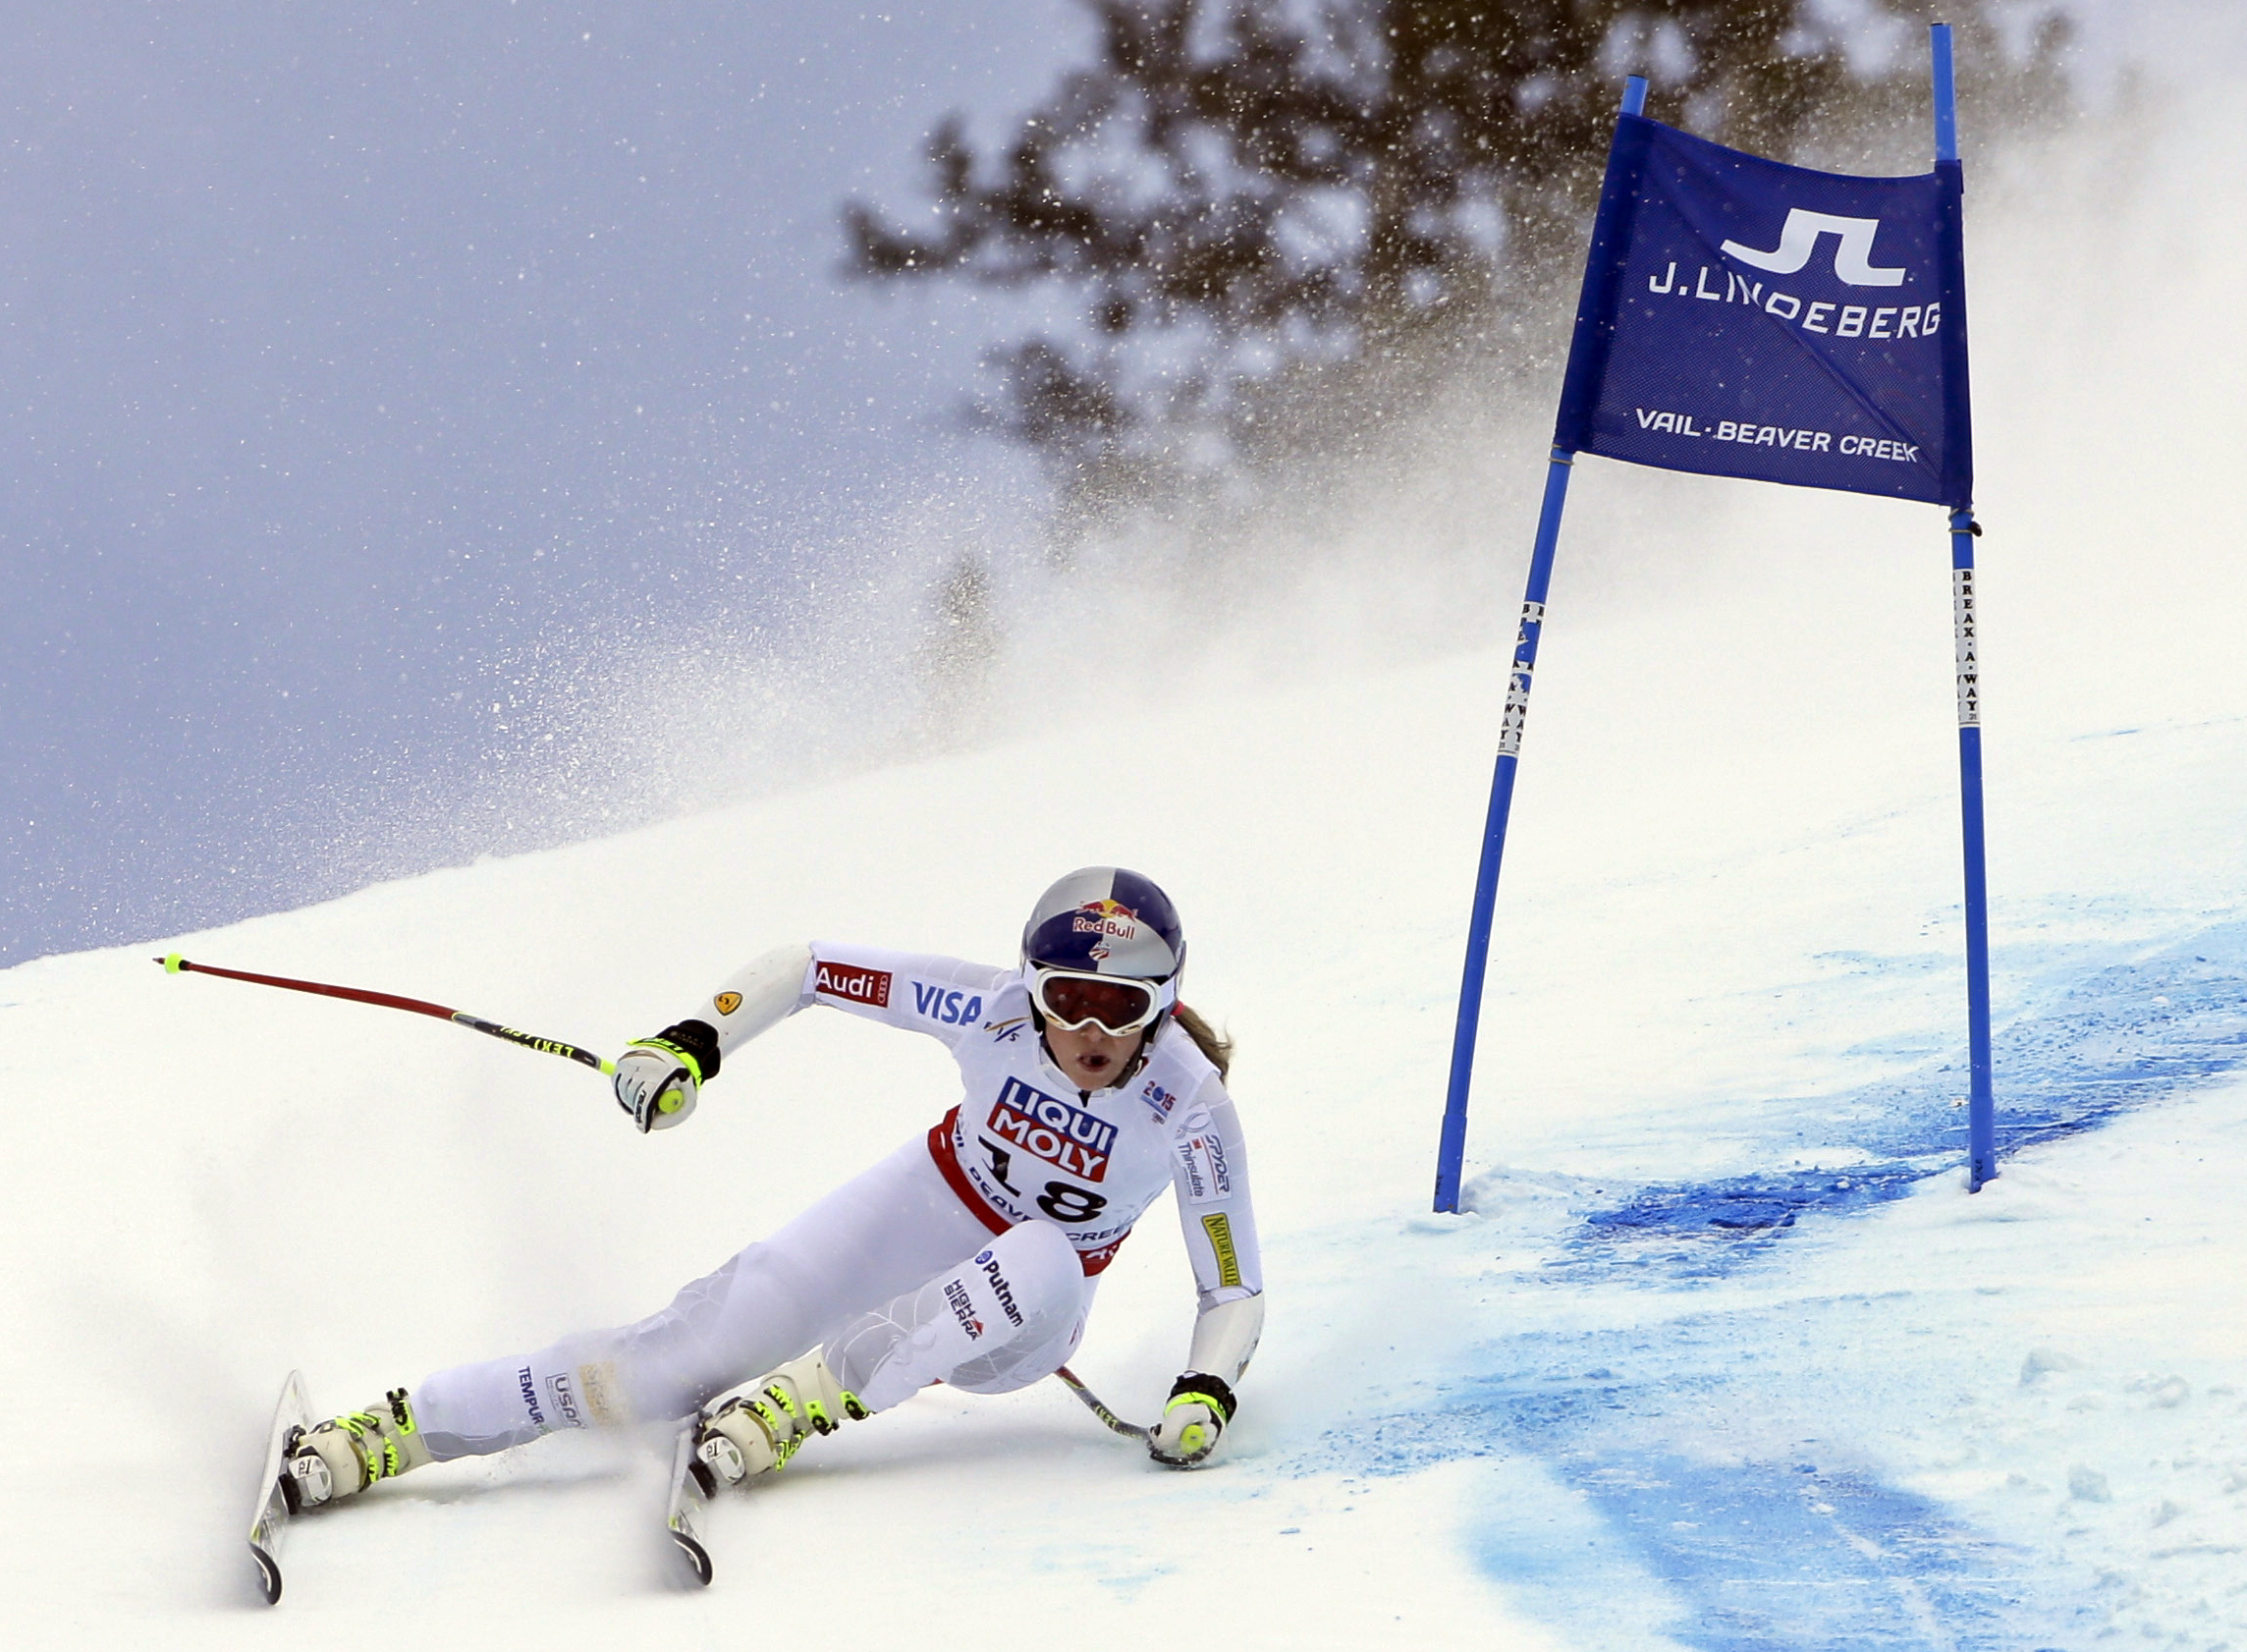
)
(290, 1417)
(689, 1498)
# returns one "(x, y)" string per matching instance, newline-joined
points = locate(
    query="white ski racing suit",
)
(968, 1256)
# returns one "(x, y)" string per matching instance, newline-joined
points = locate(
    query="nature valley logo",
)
(728, 1003)
(1220, 1231)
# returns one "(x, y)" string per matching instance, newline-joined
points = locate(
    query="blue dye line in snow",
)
(1718, 1553)
(1783, 1557)
(2097, 1046)
(1790, 1554)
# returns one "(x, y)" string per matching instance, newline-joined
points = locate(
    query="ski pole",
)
(1092, 1404)
(175, 964)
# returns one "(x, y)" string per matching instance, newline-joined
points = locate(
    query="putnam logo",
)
(857, 985)
(1220, 1231)
(1050, 1128)
(1005, 1293)
(727, 1002)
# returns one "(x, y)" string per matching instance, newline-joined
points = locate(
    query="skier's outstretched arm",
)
(658, 1080)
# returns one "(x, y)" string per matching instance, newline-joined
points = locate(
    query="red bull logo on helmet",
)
(1111, 918)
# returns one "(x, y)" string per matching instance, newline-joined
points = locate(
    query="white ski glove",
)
(658, 1079)
(1193, 1422)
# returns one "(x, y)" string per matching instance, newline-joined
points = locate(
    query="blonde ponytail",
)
(1219, 1050)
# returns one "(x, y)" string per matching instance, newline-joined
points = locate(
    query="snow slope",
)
(1722, 1357)
(1590, 1413)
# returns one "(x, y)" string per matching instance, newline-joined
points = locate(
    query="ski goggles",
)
(1072, 999)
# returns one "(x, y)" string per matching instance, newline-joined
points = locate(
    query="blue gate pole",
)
(1981, 1104)
(1981, 1101)
(1453, 1147)
(1451, 1150)
(1946, 93)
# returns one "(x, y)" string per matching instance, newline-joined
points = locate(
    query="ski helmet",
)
(1105, 920)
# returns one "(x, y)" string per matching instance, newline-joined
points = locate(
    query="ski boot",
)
(760, 1430)
(348, 1454)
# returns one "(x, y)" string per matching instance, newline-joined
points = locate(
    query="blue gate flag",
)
(1743, 318)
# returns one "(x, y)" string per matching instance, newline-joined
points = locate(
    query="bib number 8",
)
(1070, 1205)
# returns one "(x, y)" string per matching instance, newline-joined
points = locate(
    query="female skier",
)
(968, 1256)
